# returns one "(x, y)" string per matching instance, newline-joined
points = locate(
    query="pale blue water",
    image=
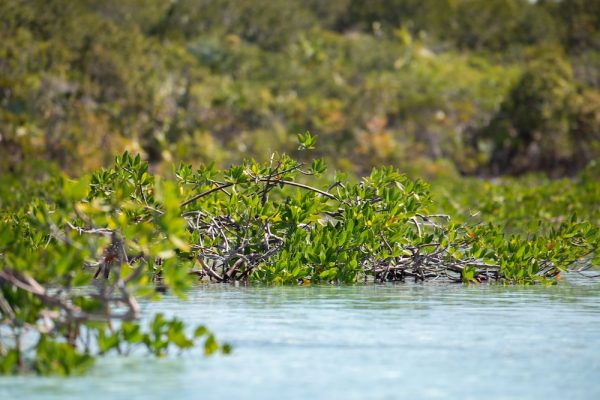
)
(376, 342)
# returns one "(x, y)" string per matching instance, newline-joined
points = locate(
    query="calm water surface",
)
(377, 342)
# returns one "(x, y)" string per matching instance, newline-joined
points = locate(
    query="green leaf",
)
(210, 345)
(306, 141)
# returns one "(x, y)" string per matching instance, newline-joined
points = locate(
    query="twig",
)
(205, 193)
(303, 186)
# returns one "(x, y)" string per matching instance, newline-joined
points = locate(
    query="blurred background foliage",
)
(435, 87)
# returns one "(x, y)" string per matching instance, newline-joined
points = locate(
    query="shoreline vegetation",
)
(495, 103)
(134, 234)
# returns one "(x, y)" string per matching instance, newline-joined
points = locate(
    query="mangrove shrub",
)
(76, 255)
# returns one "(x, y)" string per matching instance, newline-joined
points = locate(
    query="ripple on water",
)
(356, 342)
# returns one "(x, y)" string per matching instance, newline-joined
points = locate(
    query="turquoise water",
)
(378, 342)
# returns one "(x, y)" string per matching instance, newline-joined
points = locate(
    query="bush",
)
(532, 129)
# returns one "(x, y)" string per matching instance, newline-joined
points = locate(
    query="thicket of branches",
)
(131, 233)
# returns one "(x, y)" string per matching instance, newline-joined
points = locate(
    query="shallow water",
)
(413, 341)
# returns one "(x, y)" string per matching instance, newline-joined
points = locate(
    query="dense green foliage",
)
(518, 204)
(462, 85)
(252, 222)
(54, 314)
(435, 88)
